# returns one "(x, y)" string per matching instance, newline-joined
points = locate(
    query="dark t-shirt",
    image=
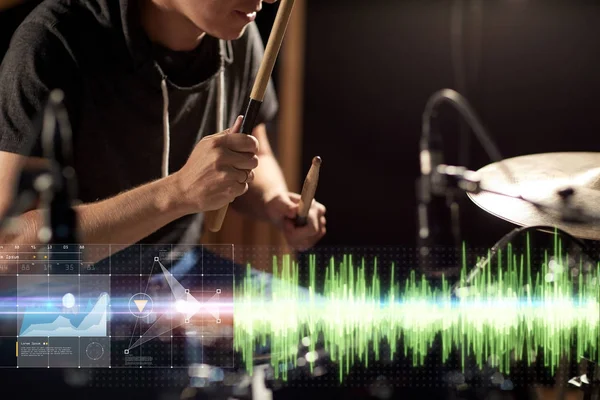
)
(98, 54)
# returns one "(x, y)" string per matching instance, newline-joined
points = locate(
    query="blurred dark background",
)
(529, 68)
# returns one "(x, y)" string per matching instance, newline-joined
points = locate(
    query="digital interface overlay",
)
(145, 306)
(335, 312)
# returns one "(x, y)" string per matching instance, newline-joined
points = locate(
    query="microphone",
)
(433, 185)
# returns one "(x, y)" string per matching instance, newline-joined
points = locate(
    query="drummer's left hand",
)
(282, 211)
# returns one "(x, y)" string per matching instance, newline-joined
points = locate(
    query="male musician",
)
(142, 82)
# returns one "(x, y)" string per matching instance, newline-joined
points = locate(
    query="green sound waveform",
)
(507, 313)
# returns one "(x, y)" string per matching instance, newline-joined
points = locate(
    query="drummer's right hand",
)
(218, 170)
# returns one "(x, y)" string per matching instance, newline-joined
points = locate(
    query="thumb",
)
(286, 207)
(291, 208)
(237, 125)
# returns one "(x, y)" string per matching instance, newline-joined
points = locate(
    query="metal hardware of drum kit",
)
(552, 192)
(557, 192)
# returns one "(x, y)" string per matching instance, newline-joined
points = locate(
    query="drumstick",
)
(308, 192)
(215, 218)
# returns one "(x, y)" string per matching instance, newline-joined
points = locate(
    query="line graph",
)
(53, 322)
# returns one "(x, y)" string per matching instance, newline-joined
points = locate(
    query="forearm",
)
(120, 221)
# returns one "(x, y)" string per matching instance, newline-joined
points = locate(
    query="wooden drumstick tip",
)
(308, 191)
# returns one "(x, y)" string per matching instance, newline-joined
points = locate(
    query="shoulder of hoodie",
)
(73, 21)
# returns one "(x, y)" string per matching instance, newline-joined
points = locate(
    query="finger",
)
(286, 207)
(235, 128)
(295, 197)
(297, 241)
(242, 160)
(236, 175)
(322, 232)
(250, 176)
(310, 242)
(321, 209)
(307, 243)
(294, 234)
(239, 189)
(309, 230)
(314, 220)
(290, 208)
(237, 125)
(242, 143)
(247, 176)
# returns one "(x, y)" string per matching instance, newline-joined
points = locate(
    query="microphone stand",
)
(59, 188)
(434, 182)
(439, 180)
(589, 383)
(53, 184)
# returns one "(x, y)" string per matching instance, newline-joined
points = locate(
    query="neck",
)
(169, 28)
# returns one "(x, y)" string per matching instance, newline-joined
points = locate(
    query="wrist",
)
(170, 197)
(269, 195)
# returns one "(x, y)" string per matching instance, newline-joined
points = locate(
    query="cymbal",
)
(552, 189)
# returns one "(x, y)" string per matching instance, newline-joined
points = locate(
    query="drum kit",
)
(550, 190)
(548, 193)
(559, 191)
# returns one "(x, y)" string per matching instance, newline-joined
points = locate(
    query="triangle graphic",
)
(141, 304)
(212, 306)
(193, 306)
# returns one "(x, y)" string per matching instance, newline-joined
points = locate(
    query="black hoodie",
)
(98, 54)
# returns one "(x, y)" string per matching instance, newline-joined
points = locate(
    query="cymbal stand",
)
(589, 383)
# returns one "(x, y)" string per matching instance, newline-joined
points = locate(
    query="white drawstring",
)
(226, 54)
(221, 87)
(166, 129)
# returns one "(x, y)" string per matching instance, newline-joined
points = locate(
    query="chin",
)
(230, 34)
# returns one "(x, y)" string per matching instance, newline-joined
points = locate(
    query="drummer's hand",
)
(282, 211)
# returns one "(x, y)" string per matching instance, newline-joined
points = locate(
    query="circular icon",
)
(68, 300)
(140, 305)
(94, 351)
